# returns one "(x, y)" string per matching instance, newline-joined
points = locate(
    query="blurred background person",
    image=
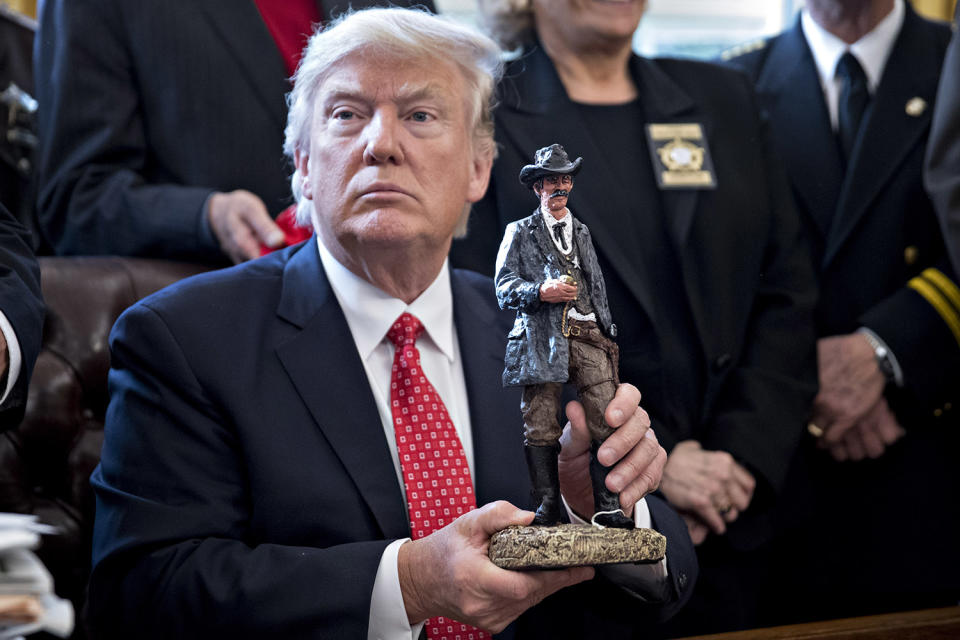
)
(161, 124)
(708, 276)
(850, 91)
(942, 176)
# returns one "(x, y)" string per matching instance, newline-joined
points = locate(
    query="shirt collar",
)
(370, 311)
(872, 50)
(550, 220)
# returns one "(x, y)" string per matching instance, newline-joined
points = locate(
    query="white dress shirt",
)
(370, 313)
(871, 51)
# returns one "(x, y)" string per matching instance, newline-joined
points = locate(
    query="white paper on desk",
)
(21, 572)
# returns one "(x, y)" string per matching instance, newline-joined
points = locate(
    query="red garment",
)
(292, 233)
(436, 477)
(291, 22)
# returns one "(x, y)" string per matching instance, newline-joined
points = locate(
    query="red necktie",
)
(436, 476)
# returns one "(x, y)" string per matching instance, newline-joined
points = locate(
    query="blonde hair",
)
(414, 34)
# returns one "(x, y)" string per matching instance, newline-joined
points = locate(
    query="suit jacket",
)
(881, 257)
(246, 488)
(148, 108)
(22, 304)
(942, 175)
(746, 273)
(537, 350)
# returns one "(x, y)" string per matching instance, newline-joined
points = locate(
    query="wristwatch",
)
(882, 354)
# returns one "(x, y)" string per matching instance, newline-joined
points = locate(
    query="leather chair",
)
(45, 463)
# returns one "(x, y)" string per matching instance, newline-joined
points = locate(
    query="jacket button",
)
(722, 362)
(682, 580)
(910, 255)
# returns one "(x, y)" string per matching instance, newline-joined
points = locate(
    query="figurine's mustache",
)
(559, 193)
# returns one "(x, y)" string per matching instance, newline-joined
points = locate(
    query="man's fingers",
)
(265, 230)
(499, 515)
(873, 446)
(575, 439)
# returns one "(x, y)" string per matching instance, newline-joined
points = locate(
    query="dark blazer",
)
(745, 270)
(246, 488)
(882, 264)
(22, 304)
(149, 107)
(942, 176)
(875, 230)
(537, 351)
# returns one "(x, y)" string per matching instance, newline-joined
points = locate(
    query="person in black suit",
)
(850, 90)
(21, 318)
(707, 274)
(942, 176)
(161, 126)
(250, 485)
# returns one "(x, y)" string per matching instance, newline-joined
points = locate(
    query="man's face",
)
(391, 164)
(553, 193)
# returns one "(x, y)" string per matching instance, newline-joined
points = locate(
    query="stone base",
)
(572, 545)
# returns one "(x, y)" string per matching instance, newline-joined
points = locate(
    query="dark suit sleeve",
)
(92, 196)
(22, 304)
(174, 551)
(761, 410)
(942, 177)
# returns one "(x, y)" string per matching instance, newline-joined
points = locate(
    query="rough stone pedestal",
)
(572, 545)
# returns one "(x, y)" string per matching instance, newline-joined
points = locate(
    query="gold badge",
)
(681, 159)
(916, 106)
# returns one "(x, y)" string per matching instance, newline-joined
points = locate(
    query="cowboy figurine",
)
(547, 270)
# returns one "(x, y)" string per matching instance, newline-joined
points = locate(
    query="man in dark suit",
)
(161, 126)
(257, 453)
(710, 284)
(21, 318)
(942, 176)
(850, 91)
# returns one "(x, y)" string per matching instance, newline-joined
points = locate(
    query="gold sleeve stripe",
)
(945, 285)
(938, 302)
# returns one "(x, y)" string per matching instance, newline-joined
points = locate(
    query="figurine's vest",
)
(571, 265)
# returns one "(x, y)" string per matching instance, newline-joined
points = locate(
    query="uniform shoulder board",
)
(744, 48)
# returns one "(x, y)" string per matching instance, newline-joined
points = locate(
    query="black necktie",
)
(853, 101)
(558, 231)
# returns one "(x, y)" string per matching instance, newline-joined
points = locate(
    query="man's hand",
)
(869, 437)
(554, 290)
(695, 527)
(448, 573)
(709, 485)
(632, 447)
(240, 222)
(850, 384)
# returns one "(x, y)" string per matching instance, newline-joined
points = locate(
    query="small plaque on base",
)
(573, 545)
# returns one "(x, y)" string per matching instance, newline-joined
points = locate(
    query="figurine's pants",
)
(593, 365)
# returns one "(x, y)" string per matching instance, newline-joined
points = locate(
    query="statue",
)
(547, 270)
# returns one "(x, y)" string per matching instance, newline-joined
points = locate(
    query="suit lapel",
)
(326, 370)
(789, 88)
(238, 25)
(499, 466)
(889, 134)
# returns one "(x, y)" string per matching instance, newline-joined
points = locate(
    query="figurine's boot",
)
(603, 498)
(542, 461)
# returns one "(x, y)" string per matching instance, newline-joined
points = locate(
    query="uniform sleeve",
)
(92, 195)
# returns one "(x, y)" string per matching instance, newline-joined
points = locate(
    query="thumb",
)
(263, 226)
(499, 515)
(575, 439)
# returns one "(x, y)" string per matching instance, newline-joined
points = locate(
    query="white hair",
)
(411, 34)
(509, 22)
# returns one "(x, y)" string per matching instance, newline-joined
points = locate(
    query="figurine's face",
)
(553, 194)
(391, 163)
(589, 23)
